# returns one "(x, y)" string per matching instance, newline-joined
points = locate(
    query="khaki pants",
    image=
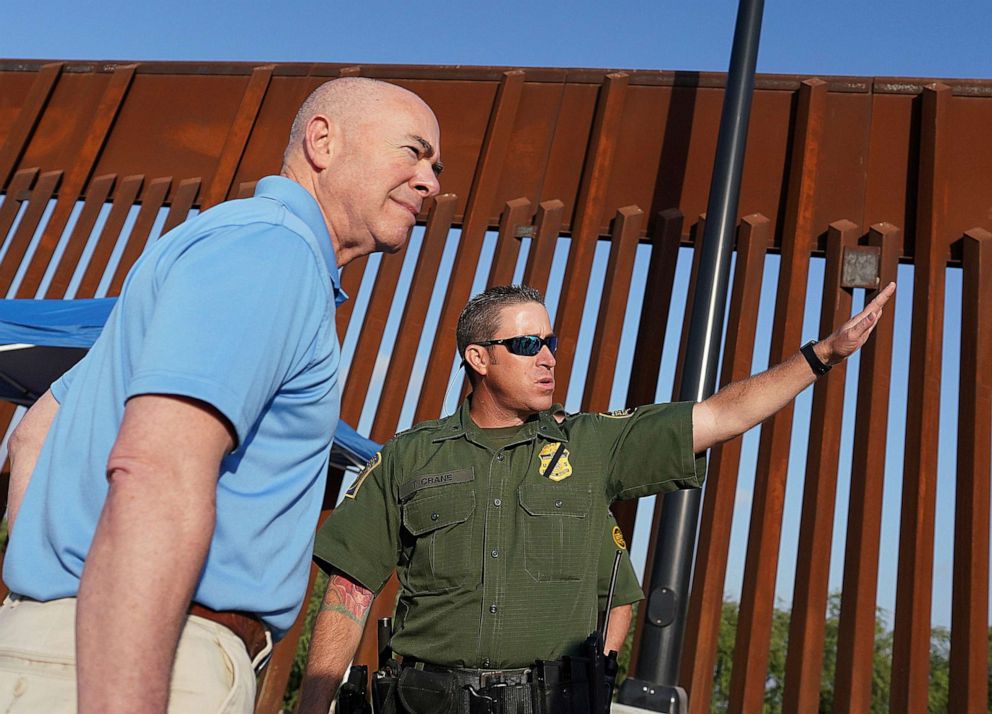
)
(212, 672)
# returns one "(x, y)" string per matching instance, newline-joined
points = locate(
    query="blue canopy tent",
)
(41, 339)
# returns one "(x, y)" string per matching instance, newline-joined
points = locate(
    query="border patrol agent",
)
(491, 516)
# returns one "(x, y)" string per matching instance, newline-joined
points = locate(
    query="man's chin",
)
(393, 242)
(544, 402)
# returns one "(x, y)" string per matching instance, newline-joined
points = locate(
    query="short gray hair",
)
(480, 317)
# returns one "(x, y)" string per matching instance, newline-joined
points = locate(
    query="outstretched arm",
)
(335, 638)
(744, 404)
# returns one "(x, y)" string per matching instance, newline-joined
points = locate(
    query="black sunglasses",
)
(524, 345)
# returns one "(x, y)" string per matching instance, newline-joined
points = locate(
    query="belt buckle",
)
(487, 679)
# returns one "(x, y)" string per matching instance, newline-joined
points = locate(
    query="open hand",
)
(851, 336)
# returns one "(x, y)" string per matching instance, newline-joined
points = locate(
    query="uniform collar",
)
(460, 424)
(303, 205)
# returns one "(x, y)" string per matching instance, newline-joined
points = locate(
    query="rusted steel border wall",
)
(97, 159)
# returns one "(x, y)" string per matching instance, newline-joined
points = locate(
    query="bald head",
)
(350, 102)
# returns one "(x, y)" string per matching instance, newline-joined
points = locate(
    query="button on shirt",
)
(490, 585)
(235, 308)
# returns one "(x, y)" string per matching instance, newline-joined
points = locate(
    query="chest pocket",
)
(556, 531)
(440, 521)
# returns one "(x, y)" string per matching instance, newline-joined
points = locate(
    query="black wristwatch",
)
(818, 367)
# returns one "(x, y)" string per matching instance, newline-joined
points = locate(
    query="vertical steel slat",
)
(542, 248)
(911, 634)
(665, 238)
(182, 202)
(856, 630)
(587, 218)
(152, 199)
(612, 306)
(804, 659)
(495, 146)
(246, 189)
(515, 214)
(75, 180)
(747, 686)
(96, 196)
(38, 200)
(28, 117)
(124, 197)
(356, 387)
(720, 493)
(237, 136)
(414, 316)
(655, 306)
(699, 230)
(969, 656)
(20, 184)
(351, 283)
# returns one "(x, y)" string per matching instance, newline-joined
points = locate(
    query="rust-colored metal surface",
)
(969, 675)
(758, 592)
(475, 222)
(911, 635)
(414, 316)
(712, 551)
(99, 159)
(609, 325)
(804, 660)
(856, 630)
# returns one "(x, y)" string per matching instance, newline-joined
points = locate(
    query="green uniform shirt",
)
(494, 550)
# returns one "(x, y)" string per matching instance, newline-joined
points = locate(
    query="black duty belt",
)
(426, 687)
(479, 678)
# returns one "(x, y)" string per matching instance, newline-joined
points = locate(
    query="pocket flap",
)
(548, 499)
(428, 513)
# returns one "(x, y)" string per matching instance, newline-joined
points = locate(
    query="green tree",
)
(940, 650)
(881, 668)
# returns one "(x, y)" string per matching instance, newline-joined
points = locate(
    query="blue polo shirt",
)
(235, 308)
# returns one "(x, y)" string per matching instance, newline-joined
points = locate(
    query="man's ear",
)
(477, 359)
(320, 141)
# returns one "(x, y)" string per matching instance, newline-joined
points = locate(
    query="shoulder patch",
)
(369, 467)
(618, 413)
(618, 538)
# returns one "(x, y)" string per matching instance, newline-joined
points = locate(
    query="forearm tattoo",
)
(348, 598)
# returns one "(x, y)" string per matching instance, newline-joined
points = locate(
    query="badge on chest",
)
(554, 462)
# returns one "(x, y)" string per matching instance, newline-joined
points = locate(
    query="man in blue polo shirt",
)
(164, 493)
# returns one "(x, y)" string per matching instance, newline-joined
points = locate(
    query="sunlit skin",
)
(371, 176)
(512, 388)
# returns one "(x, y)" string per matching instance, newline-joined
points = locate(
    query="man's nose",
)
(425, 182)
(545, 358)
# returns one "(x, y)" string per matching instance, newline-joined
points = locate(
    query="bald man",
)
(164, 493)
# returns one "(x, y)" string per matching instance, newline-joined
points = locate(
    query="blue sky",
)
(882, 38)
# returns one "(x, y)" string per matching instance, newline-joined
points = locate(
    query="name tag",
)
(445, 478)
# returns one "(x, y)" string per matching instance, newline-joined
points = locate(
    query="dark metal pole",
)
(668, 594)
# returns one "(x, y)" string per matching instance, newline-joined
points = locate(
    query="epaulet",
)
(432, 425)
